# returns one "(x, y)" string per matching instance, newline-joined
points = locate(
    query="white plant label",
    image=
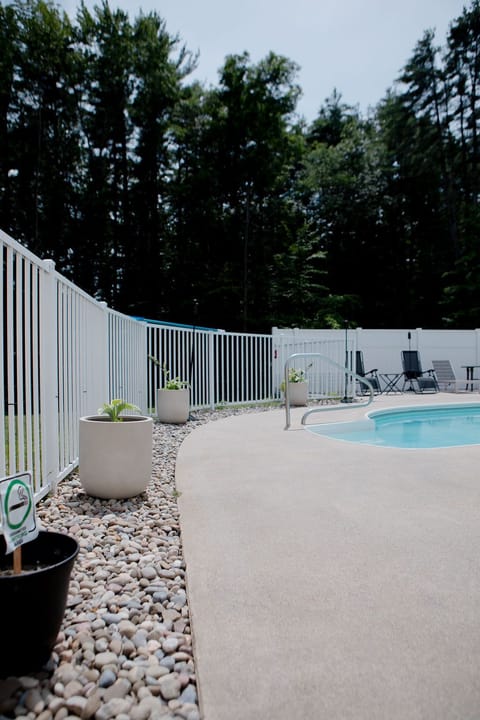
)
(17, 510)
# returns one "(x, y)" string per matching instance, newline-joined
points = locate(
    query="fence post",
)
(211, 369)
(419, 337)
(48, 339)
(477, 344)
(106, 344)
(280, 355)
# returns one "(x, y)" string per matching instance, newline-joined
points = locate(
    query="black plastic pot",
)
(33, 603)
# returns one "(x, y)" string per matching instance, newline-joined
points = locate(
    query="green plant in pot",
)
(297, 386)
(115, 451)
(173, 398)
(114, 409)
(34, 580)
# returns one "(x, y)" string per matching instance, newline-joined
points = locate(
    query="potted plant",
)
(173, 399)
(35, 568)
(115, 451)
(297, 387)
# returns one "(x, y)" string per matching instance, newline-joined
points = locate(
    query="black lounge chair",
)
(370, 375)
(417, 380)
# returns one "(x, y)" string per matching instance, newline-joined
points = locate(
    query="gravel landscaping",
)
(125, 647)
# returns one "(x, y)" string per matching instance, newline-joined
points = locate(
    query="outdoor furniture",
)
(370, 375)
(470, 379)
(391, 383)
(417, 380)
(445, 376)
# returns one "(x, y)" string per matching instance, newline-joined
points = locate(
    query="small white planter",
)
(173, 406)
(298, 393)
(115, 458)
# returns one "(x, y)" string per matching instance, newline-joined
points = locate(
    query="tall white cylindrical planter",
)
(298, 393)
(173, 406)
(115, 458)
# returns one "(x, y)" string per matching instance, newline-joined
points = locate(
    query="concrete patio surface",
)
(329, 580)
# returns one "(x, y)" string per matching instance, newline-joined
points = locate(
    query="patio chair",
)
(370, 375)
(446, 379)
(417, 380)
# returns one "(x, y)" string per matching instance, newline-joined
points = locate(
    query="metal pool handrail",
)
(324, 408)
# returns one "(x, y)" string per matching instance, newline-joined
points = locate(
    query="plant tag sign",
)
(17, 510)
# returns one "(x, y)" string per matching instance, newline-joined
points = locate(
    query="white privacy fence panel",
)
(382, 348)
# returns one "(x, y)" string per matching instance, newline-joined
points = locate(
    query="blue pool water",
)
(426, 427)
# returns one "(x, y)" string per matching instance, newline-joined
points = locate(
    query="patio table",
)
(469, 372)
(391, 381)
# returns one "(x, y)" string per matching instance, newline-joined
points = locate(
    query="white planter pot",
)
(115, 458)
(298, 393)
(173, 406)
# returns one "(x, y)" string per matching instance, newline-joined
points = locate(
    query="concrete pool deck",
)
(329, 580)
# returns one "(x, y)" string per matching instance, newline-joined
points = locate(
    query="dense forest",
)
(221, 205)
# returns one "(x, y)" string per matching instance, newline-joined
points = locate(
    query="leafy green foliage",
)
(115, 407)
(169, 383)
(151, 191)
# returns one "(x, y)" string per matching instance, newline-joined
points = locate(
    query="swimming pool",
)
(430, 426)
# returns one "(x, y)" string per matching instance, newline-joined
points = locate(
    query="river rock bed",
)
(125, 647)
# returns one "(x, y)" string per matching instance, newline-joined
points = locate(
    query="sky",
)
(357, 47)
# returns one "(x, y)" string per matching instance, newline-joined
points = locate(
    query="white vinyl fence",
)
(22, 431)
(324, 379)
(382, 348)
(64, 354)
(221, 368)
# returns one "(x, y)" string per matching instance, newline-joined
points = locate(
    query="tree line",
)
(161, 196)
